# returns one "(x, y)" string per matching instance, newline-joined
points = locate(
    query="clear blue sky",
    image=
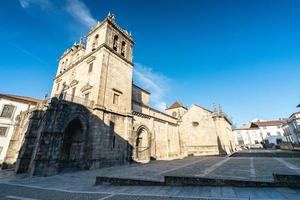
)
(240, 53)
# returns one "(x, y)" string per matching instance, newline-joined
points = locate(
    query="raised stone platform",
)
(259, 168)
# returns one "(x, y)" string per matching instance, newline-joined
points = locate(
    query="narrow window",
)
(3, 131)
(7, 111)
(123, 48)
(73, 93)
(116, 99)
(86, 96)
(115, 44)
(112, 134)
(91, 67)
(95, 43)
(57, 88)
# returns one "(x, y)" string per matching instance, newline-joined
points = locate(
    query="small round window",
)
(195, 124)
(174, 114)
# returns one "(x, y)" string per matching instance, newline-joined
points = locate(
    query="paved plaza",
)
(257, 167)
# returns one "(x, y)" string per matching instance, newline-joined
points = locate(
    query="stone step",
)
(280, 180)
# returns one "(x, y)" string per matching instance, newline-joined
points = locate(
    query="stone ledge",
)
(126, 181)
(280, 180)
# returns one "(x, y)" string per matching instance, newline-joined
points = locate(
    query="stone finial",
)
(109, 14)
(220, 110)
(214, 108)
(46, 96)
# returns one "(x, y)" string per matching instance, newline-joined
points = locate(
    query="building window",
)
(57, 88)
(95, 43)
(86, 96)
(174, 114)
(195, 124)
(278, 133)
(112, 134)
(116, 99)
(73, 93)
(115, 44)
(3, 131)
(123, 48)
(91, 67)
(7, 111)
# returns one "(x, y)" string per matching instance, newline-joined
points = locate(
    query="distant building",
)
(255, 132)
(10, 107)
(292, 128)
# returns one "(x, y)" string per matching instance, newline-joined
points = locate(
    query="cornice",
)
(91, 53)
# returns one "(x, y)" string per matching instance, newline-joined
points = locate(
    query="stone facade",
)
(96, 117)
(292, 128)
(11, 106)
(258, 131)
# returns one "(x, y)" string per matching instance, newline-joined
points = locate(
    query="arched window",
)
(95, 43)
(123, 49)
(115, 44)
(62, 67)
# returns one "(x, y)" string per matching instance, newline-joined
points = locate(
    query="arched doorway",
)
(143, 144)
(73, 146)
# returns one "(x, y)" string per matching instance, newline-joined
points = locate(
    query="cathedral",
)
(96, 117)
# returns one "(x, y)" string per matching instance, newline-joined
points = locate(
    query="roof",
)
(269, 123)
(134, 85)
(21, 98)
(256, 125)
(176, 104)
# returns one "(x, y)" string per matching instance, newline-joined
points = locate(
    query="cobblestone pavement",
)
(243, 167)
(147, 192)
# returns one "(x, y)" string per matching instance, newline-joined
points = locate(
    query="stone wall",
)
(203, 133)
(103, 141)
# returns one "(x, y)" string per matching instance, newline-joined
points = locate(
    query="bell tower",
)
(115, 45)
(100, 70)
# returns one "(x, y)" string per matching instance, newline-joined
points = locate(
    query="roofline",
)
(19, 98)
(181, 106)
(140, 88)
(141, 104)
(202, 108)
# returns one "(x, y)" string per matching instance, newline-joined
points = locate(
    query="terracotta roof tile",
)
(269, 123)
(21, 98)
(176, 104)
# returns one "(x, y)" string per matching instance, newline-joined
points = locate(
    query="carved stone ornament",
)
(58, 80)
(86, 87)
(90, 59)
(74, 82)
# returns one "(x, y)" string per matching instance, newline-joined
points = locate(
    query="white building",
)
(256, 131)
(10, 107)
(292, 128)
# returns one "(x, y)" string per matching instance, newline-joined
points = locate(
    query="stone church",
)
(97, 117)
